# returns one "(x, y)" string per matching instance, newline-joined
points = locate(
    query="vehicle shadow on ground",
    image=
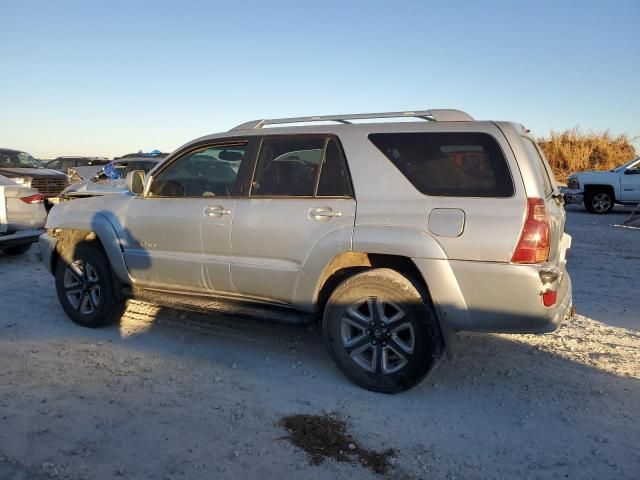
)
(604, 264)
(480, 359)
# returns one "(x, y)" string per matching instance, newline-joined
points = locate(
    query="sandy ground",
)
(169, 395)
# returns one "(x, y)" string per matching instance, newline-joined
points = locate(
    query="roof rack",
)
(438, 115)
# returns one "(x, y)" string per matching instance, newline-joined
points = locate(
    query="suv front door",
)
(630, 184)
(301, 201)
(179, 234)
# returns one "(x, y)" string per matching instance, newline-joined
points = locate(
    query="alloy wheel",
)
(377, 335)
(601, 202)
(82, 287)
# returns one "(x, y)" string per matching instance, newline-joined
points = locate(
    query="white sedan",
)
(22, 216)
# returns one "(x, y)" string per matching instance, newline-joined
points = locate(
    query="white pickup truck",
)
(600, 191)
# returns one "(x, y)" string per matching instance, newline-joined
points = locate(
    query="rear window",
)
(449, 164)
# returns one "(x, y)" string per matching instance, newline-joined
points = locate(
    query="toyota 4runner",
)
(396, 235)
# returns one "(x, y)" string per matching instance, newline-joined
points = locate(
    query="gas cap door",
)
(446, 222)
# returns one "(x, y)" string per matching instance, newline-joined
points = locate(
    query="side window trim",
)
(320, 167)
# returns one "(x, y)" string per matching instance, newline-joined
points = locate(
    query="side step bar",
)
(223, 306)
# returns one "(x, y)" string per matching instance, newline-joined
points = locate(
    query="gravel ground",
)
(172, 395)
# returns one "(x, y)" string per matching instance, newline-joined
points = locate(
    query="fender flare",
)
(101, 225)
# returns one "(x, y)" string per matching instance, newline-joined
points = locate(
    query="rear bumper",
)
(23, 237)
(495, 297)
(47, 247)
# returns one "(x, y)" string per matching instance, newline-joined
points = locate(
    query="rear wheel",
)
(85, 287)
(19, 250)
(599, 201)
(381, 330)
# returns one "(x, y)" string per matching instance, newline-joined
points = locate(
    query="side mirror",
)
(136, 182)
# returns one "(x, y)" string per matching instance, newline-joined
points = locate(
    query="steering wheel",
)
(171, 188)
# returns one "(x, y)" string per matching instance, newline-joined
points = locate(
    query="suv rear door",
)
(300, 195)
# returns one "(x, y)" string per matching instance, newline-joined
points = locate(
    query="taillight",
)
(37, 198)
(549, 298)
(533, 246)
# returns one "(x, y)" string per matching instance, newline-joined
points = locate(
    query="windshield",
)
(13, 159)
(626, 165)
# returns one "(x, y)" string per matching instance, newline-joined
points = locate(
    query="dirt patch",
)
(326, 436)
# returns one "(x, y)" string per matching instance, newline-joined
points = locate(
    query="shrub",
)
(576, 151)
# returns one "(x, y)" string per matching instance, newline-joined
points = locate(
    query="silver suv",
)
(396, 235)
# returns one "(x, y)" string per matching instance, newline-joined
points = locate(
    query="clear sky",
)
(112, 77)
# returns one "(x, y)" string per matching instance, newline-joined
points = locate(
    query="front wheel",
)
(381, 330)
(85, 287)
(599, 201)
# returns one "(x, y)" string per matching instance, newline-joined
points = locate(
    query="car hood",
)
(599, 174)
(89, 188)
(30, 172)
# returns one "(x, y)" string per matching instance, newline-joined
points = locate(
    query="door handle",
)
(323, 213)
(215, 211)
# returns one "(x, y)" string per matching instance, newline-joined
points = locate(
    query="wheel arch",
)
(346, 264)
(593, 187)
(100, 230)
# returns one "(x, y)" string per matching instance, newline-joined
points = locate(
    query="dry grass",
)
(575, 151)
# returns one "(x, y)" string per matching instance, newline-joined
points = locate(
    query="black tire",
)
(19, 250)
(598, 201)
(88, 298)
(354, 304)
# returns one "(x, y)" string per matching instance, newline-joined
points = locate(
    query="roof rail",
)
(438, 115)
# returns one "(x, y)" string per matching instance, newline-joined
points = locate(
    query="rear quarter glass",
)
(453, 164)
(541, 169)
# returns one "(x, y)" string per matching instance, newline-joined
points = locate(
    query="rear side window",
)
(464, 164)
(288, 167)
(541, 168)
(301, 166)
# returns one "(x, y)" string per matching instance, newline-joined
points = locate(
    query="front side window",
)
(634, 168)
(210, 171)
(66, 164)
(452, 164)
(13, 159)
(55, 164)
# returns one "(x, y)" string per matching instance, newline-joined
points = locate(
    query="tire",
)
(599, 201)
(382, 353)
(19, 250)
(85, 287)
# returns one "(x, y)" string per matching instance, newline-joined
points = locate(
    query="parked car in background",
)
(23, 169)
(22, 216)
(64, 164)
(459, 226)
(600, 191)
(111, 178)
